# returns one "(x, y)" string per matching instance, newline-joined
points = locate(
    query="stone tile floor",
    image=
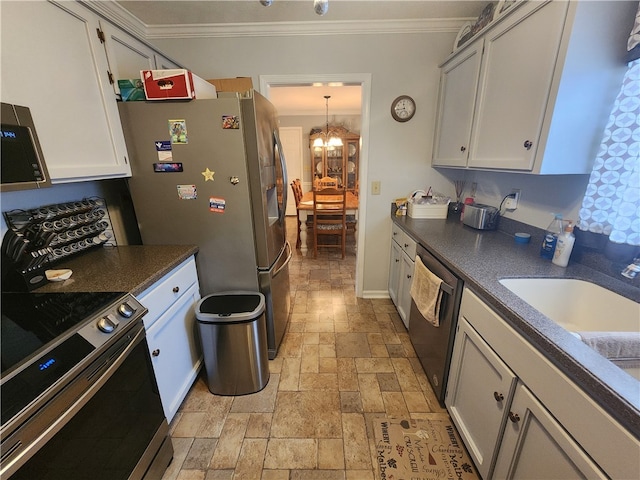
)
(343, 361)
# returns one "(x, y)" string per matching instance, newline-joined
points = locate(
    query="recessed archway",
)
(364, 80)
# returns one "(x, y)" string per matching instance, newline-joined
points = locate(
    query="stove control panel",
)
(117, 317)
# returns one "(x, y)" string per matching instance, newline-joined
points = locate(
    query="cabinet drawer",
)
(402, 238)
(397, 234)
(409, 247)
(162, 294)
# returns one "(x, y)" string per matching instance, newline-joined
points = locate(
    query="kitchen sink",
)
(605, 321)
(577, 305)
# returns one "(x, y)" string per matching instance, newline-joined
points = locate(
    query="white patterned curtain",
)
(611, 204)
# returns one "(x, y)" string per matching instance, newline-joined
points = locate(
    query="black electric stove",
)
(45, 335)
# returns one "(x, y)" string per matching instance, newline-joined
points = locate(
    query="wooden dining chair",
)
(326, 182)
(296, 187)
(329, 218)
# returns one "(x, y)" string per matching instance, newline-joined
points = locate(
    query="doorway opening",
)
(363, 80)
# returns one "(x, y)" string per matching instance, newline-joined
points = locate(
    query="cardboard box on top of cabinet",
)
(131, 90)
(238, 84)
(175, 84)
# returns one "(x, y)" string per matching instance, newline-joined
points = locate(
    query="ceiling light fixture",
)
(321, 7)
(330, 141)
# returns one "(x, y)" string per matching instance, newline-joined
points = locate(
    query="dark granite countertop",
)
(130, 269)
(482, 258)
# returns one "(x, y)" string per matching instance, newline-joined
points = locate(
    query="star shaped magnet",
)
(208, 175)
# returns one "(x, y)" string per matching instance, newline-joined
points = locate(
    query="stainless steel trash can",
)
(233, 333)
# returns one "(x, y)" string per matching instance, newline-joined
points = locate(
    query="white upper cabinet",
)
(164, 63)
(458, 87)
(547, 78)
(53, 63)
(127, 55)
(515, 82)
(63, 60)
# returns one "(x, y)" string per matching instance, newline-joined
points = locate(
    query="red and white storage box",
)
(175, 84)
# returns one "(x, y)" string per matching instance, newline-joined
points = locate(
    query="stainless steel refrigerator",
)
(212, 173)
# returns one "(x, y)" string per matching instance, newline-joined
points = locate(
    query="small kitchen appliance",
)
(23, 165)
(481, 217)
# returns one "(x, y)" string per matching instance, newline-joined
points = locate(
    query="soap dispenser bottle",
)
(564, 246)
(554, 230)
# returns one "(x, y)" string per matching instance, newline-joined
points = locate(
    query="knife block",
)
(15, 280)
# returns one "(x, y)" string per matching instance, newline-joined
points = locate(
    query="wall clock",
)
(403, 108)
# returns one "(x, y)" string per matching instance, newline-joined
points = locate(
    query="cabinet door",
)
(515, 82)
(126, 55)
(394, 271)
(536, 446)
(175, 351)
(163, 63)
(404, 291)
(353, 150)
(53, 63)
(317, 162)
(336, 164)
(458, 87)
(479, 392)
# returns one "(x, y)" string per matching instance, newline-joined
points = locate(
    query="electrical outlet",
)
(375, 187)
(511, 203)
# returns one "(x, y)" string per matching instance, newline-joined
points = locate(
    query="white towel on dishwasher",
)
(426, 292)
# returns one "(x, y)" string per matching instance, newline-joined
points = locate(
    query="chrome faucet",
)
(632, 270)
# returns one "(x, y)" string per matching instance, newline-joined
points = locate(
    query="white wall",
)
(399, 153)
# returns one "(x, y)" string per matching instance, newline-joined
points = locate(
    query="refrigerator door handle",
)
(285, 180)
(286, 262)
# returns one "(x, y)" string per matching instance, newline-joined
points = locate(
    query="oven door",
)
(113, 429)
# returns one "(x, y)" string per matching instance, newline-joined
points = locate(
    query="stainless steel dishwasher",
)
(434, 345)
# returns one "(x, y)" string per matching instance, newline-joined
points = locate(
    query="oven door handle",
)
(23, 449)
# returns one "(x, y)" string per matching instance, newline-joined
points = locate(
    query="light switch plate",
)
(375, 187)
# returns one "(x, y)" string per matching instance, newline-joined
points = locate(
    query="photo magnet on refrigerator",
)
(217, 204)
(163, 147)
(165, 167)
(187, 192)
(230, 122)
(178, 131)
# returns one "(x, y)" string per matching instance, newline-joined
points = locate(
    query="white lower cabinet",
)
(532, 434)
(403, 254)
(404, 292)
(519, 416)
(172, 337)
(394, 271)
(479, 382)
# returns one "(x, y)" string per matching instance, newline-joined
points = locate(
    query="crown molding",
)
(265, 29)
(113, 12)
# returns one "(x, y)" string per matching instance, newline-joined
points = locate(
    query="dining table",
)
(306, 206)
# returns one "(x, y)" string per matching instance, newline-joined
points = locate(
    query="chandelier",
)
(330, 141)
(321, 7)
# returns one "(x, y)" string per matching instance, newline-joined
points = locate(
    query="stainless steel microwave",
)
(22, 162)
